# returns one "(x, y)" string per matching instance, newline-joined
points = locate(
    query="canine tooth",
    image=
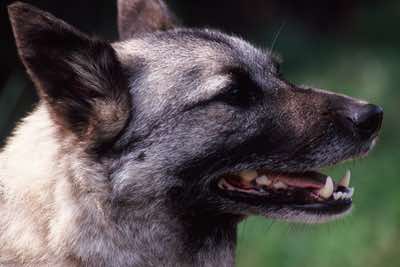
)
(248, 176)
(327, 190)
(263, 180)
(279, 185)
(345, 181)
(351, 192)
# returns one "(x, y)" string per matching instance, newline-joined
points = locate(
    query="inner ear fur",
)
(138, 16)
(78, 77)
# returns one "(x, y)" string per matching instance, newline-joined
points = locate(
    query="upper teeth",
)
(327, 190)
(263, 180)
(279, 185)
(248, 176)
(345, 181)
(251, 177)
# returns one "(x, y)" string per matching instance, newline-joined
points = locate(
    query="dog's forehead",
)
(193, 64)
(205, 50)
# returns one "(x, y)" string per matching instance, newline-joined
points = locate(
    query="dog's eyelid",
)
(239, 76)
(235, 72)
(229, 88)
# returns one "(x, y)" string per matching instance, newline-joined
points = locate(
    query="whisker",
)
(277, 33)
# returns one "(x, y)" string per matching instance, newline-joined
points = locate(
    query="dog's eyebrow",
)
(214, 84)
(210, 87)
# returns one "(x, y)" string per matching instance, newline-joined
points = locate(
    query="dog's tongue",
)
(312, 180)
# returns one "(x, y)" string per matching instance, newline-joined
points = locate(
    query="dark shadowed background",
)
(351, 47)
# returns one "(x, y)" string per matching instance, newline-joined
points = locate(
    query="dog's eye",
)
(234, 92)
(243, 91)
(236, 95)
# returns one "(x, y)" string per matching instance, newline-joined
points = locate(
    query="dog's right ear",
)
(79, 78)
(138, 16)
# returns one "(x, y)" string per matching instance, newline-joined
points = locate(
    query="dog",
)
(150, 150)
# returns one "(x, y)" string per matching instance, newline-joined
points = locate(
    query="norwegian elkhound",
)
(149, 151)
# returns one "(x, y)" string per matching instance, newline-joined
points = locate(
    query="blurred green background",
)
(351, 47)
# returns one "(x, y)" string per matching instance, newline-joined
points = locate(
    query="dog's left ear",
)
(78, 77)
(138, 16)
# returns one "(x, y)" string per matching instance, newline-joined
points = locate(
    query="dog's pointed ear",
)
(79, 78)
(138, 16)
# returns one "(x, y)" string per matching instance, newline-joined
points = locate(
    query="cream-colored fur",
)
(31, 188)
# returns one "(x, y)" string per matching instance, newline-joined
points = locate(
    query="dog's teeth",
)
(337, 195)
(351, 192)
(327, 190)
(263, 180)
(344, 195)
(248, 176)
(345, 181)
(279, 185)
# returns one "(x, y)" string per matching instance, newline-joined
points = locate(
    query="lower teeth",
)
(344, 195)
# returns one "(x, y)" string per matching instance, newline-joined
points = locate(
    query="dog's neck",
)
(148, 233)
(214, 239)
(184, 241)
(166, 231)
(209, 241)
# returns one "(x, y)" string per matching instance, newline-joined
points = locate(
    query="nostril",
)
(368, 120)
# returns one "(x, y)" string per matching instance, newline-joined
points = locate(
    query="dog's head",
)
(197, 117)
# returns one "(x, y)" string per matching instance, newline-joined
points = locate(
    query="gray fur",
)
(141, 191)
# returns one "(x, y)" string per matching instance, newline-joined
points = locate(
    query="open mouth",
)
(310, 193)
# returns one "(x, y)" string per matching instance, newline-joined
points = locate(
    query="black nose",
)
(364, 120)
